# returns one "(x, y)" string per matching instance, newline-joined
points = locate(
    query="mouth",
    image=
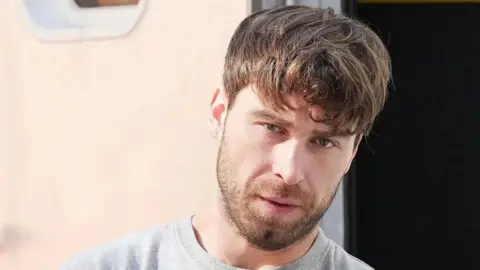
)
(281, 202)
(279, 206)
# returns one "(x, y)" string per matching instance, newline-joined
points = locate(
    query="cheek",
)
(246, 151)
(250, 141)
(327, 172)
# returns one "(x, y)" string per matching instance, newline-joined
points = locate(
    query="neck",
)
(215, 234)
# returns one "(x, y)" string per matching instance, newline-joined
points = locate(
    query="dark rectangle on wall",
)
(417, 180)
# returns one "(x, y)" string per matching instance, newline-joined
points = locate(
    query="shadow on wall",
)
(12, 237)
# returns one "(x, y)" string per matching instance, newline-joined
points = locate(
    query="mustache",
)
(276, 189)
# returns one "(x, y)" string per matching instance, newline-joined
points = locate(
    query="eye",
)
(324, 143)
(273, 128)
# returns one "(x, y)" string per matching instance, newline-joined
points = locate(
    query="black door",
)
(415, 192)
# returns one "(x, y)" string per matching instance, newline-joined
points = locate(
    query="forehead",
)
(297, 112)
(248, 100)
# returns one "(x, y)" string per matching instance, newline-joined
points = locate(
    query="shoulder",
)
(344, 261)
(127, 252)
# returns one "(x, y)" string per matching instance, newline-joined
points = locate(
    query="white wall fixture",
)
(63, 20)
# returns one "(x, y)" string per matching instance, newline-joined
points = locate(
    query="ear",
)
(218, 111)
(358, 139)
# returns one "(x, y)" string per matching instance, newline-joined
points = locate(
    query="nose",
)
(288, 162)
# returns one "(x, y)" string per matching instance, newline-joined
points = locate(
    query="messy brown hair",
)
(332, 61)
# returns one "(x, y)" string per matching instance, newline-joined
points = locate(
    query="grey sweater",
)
(174, 247)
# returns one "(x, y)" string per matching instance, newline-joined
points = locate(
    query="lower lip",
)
(281, 209)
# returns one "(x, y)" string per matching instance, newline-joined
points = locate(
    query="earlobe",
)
(218, 105)
(218, 112)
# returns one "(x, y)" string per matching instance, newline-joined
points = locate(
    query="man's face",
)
(277, 171)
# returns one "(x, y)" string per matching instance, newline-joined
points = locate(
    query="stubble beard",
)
(267, 233)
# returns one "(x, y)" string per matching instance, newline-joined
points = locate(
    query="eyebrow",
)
(275, 118)
(269, 115)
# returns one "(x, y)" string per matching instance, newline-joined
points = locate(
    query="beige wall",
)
(102, 138)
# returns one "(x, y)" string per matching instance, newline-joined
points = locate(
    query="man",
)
(302, 86)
